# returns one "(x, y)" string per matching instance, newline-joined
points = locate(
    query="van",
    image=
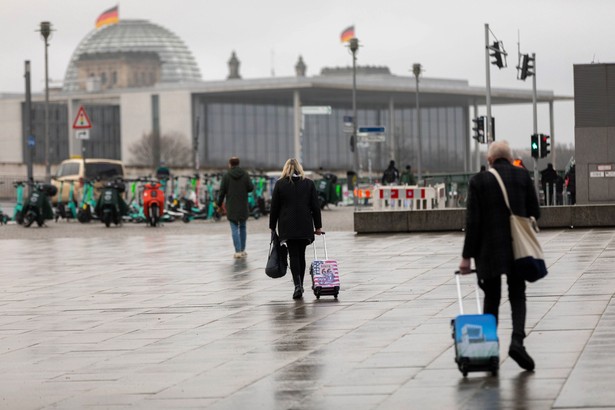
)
(78, 170)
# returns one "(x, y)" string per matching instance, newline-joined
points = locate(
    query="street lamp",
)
(416, 69)
(45, 32)
(354, 47)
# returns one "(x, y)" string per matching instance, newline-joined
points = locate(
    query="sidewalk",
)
(162, 320)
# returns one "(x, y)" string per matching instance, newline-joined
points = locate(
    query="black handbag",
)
(277, 262)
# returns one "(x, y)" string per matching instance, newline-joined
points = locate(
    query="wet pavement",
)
(148, 318)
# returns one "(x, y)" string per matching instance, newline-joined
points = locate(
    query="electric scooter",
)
(38, 207)
(88, 203)
(111, 206)
(153, 202)
(18, 210)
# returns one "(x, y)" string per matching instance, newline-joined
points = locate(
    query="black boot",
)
(518, 353)
(298, 294)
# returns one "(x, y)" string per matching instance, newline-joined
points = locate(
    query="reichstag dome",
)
(138, 39)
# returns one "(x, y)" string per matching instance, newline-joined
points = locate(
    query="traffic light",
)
(492, 129)
(352, 143)
(527, 67)
(479, 129)
(535, 147)
(545, 142)
(497, 54)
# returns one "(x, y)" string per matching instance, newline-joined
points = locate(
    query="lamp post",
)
(45, 32)
(354, 47)
(416, 69)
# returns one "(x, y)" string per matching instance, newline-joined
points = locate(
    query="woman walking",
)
(296, 213)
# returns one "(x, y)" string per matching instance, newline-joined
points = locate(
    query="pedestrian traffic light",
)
(535, 147)
(527, 67)
(545, 143)
(498, 53)
(479, 129)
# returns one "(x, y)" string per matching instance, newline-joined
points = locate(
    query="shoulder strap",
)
(499, 179)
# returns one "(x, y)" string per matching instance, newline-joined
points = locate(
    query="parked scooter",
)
(61, 208)
(111, 207)
(38, 207)
(88, 203)
(153, 202)
(19, 192)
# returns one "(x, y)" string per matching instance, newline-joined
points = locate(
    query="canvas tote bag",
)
(529, 258)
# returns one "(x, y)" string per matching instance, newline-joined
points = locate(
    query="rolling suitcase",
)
(477, 347)
(325, 274)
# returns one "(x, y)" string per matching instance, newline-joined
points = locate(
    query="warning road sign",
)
(82, 121)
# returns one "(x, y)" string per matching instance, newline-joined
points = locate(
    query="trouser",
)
(296, 254)
(238, 232)
(516, 295)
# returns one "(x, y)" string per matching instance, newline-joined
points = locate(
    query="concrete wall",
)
(136, 120)
(176, 114)
(11, 132)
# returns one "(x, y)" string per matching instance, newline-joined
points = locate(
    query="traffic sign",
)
(82, 121)
(83, 134)
(316, 110)
(31, 141)
(372, 134)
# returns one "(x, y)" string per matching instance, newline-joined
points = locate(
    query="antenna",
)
(272, 62)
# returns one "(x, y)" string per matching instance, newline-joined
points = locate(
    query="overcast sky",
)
(446, 37)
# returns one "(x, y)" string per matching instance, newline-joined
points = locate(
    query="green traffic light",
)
(534, 145)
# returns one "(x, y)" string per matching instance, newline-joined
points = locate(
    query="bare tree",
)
(175, 150)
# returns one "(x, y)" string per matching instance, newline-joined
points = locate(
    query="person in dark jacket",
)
(295, 212)
(548, 178)
(488, 239)
(235, 186)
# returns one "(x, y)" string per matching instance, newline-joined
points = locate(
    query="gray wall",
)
(594, 89)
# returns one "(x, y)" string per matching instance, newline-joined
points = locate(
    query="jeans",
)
(238, 232)
(516, 296)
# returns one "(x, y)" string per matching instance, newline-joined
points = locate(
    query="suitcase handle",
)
(457, 274)
(325, 243)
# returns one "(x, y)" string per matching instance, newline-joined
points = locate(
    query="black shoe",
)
(298, 294)
(518, 353)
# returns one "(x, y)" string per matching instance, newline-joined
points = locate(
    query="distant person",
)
(488, 239)
(483, 168)
(163, 174)
(235, 186)
(548, 176)
(519, 163)
(571, 185)
(407, 177)
(390, 175)
(295, 212)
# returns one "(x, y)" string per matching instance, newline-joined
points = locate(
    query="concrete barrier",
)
(453, 219)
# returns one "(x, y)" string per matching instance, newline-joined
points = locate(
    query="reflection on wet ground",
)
(167, 321)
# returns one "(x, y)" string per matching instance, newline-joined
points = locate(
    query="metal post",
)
(476, 143)
(552, 134)
(196, 146)
(45, 32)
(488, 136)
(416, 69)
(535, 121)
(29, 137)
(297, 118)
(354, 47)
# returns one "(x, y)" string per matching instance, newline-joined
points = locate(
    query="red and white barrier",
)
(409, 197)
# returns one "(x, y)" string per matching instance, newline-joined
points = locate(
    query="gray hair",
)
(499, 149)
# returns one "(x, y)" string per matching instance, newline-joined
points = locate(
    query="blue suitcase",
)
(477, 347)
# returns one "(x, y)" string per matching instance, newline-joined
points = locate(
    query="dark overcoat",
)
(488, 239)
(295, 210)
(235, 186)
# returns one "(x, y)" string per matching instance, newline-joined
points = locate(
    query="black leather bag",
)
(277, 262)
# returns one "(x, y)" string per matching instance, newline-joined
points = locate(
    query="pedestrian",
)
(390, 175)
(407, 177)
(235, 186)
(571, 186)
(488, 239)
(295, 212)
(548, 177)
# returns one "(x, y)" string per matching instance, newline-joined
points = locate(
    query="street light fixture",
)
(354, 47)
(416, 69)
(46, 32)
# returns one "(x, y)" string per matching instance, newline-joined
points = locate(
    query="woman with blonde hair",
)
(295, 212)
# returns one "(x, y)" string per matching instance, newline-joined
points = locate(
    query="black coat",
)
(295, 210)
(488, 238)
(235, 186)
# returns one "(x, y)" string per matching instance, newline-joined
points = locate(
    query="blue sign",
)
(371, 130)
(31, 140)
(348, 118)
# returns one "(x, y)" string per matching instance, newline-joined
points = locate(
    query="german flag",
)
(111, 16)
(347, 34)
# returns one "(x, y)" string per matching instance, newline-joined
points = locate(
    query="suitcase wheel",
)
(335, 295)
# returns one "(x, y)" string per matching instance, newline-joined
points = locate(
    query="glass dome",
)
(178, 64)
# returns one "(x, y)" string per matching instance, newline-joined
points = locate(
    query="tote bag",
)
(529, 258)
(277, 263)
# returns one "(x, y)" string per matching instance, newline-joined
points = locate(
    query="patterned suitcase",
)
(325, 274)
(477, 347)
